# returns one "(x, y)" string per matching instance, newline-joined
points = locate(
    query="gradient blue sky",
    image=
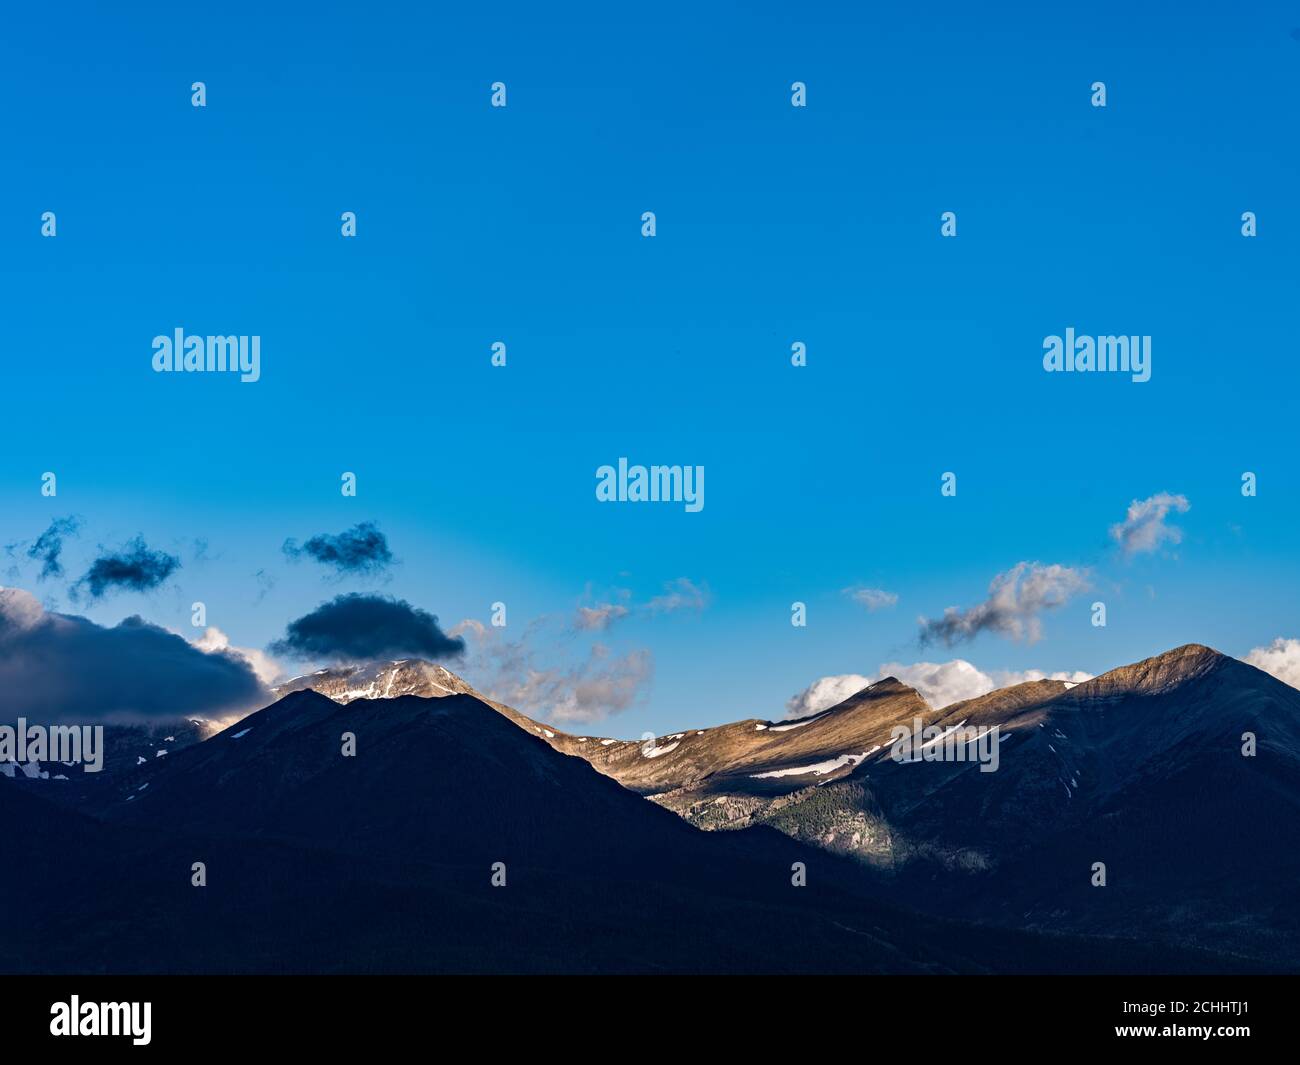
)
(776, 224)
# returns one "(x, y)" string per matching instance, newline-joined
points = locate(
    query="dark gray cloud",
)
(136, 568)
(361, 549)
(1015, 602)
(48, 547)
(61, 667)
(357, 627)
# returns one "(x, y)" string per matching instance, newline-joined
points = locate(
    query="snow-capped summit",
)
(379, 680)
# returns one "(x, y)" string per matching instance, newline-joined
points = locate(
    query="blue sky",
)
(775, 224)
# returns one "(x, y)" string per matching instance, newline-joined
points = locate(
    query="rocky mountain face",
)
(383, 680)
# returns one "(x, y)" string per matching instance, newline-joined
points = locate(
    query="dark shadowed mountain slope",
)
(124, 747)
(382, 862)
(449, 778)
(1069, 755)
(1141, 769)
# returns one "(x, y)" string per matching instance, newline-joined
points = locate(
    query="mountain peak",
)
(885, 689)
(1186, 650)
(1180, 663)
(1152, 676)
(379, 680)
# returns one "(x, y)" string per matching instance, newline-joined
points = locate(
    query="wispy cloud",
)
(599, 618)
(601, 685)
(872, 598)
(265, 582)
(681, 594)
(598, 685)
(48, 547)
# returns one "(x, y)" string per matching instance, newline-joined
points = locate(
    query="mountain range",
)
(1141, 769)
(385, 859)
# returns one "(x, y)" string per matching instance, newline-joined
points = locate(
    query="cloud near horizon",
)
(577, 692)
(268, 670)
(63, 667)
(939, 683)
(1144, 528)
(1281, 659)
(601, 685)
(1016, 599)
(363, 549)
(356, 627)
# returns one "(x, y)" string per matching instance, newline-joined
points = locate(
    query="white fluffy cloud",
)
(1281, 658)
(823, 693)
(1016, 599)
(939, 683)
(1144, 529)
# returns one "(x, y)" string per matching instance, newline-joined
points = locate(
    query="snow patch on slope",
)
(818, 768)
